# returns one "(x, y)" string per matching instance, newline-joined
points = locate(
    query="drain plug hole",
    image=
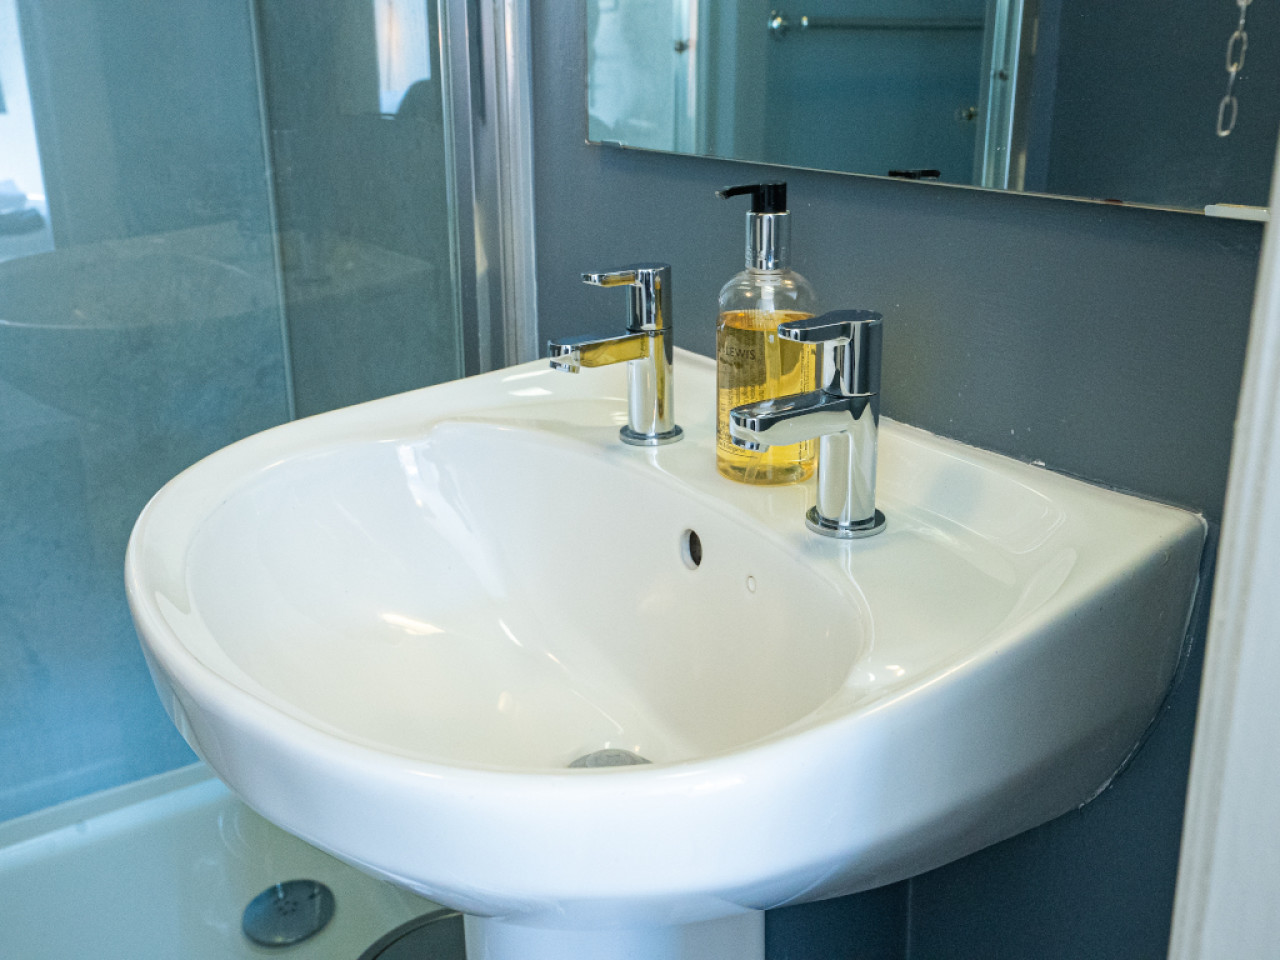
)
(608, 757)
(691, 549)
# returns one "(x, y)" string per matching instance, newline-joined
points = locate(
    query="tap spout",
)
(780, 421)
(571, 354)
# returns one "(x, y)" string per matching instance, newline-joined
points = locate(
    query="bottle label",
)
(752, 364)
(735, 354)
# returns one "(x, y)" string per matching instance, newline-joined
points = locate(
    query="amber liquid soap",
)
(754, 363)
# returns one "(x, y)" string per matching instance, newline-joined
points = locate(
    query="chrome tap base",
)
(637, 439)
(844, 531)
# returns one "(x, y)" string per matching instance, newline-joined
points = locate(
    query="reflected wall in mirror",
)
(1080, 98)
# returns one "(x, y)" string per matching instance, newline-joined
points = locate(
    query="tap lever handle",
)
(610, 278)
(831, 326)
(638, 274)
(850, 365)
(650, 289)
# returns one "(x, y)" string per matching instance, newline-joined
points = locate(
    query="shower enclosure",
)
(213, 218)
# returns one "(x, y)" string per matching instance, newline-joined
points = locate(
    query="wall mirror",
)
(1171, 104)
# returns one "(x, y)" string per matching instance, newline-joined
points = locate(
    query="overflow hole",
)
(690, 549)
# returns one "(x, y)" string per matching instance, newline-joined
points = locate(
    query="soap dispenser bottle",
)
(752, 363)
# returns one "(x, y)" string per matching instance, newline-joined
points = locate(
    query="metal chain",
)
(1237, 44)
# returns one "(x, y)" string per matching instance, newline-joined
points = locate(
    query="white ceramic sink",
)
(392, 628)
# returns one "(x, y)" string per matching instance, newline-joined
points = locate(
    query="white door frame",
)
(1229, 872)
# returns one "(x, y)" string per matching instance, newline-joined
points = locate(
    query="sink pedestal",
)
(739, 937)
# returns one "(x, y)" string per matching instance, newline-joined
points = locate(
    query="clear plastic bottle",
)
(752, 363)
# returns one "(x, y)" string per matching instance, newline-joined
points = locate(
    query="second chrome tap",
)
(844, 415)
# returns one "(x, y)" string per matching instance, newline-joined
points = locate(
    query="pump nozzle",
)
(770, 197)
(768, 233)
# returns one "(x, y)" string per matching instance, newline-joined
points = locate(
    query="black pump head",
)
(768, 197)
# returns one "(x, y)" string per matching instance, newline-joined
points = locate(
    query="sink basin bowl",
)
(392, 628)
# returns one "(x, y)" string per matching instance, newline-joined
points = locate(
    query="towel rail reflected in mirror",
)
(1037, 96)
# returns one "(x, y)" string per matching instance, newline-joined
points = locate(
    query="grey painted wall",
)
(1107, 342)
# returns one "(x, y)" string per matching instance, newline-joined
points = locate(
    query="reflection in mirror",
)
(1061, 97)
(24, 214)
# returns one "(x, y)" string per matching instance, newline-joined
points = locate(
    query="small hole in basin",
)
(690, 549)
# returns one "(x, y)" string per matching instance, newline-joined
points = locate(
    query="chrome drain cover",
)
(609, 757)
(288, 913)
